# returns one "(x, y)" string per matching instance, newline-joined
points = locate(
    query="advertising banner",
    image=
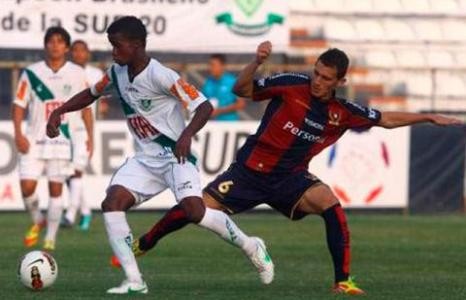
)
(364, 169)
(172, 25)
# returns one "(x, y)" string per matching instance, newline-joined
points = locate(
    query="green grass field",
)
(394, 257)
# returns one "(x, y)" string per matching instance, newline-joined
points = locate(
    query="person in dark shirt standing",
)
(302, 118)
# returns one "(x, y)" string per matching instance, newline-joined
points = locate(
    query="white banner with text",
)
(172, 25)
(365, 170)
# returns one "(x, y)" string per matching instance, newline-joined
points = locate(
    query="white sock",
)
(53, 217)
(85, 206)
(32, 206)
(120, 238)
(220, 223)
(76, 191)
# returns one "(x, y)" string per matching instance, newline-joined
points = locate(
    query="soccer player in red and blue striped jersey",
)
(302, 118)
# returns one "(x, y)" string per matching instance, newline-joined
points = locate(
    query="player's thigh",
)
(28, 187)
(185, 181)
(317, 199)
(58, 170)
(288, 193)
(212, 203)
(30, 168)
(137, 179)
(118, 198)
(234, 191)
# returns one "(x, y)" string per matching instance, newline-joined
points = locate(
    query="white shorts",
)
(56, 170)
(79, 151)
(144, 181)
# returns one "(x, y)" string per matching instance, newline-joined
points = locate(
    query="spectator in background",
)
(218, 88)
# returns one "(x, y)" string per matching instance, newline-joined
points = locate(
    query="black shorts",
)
(240, 188)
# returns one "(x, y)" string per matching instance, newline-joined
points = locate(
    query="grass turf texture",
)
(394, 257)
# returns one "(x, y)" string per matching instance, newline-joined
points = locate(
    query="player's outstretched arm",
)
(200, 118)
(77, 102)
(398, 119)
(244, 83)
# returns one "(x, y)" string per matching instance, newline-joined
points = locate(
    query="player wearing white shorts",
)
(82, 145)
(151, 96)
(43, 87)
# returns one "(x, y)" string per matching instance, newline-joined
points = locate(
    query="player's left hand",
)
(445, 121)
(53, 123)
(183, 147)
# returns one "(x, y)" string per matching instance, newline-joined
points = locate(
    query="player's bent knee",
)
(329, 201)
(106, 205)
(194, 208)
(117, 199)
(317, 200)
(55, 189)
(27, 192)
(28, 187)
(115, 204)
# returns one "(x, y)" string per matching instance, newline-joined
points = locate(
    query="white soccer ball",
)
(37, 270)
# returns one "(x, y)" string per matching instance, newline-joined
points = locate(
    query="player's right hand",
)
(53, 124)
(445, 121)
(263, 52)
(22, 143)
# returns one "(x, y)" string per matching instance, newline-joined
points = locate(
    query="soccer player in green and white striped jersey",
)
(44, 86)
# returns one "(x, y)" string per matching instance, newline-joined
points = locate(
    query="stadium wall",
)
(437, 169)
(366, 169)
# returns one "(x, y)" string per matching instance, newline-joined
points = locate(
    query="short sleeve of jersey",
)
(269, 87)
(23, 91)
(361, 117)
(104, 85)
(171, 84)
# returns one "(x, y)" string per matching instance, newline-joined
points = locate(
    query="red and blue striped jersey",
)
(296, 126)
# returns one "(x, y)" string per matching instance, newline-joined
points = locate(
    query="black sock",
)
(173, 220)
(338, 241)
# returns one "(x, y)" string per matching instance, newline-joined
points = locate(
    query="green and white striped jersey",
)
(153, 105)
(41, 90)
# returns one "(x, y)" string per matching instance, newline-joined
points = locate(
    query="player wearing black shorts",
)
(302, 118)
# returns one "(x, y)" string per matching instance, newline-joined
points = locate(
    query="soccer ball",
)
(37, 270)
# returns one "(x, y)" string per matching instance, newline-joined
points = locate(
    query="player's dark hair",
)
(51, 31)
(220, 57)
(337, 59)
(130, 26)
(76, 42)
